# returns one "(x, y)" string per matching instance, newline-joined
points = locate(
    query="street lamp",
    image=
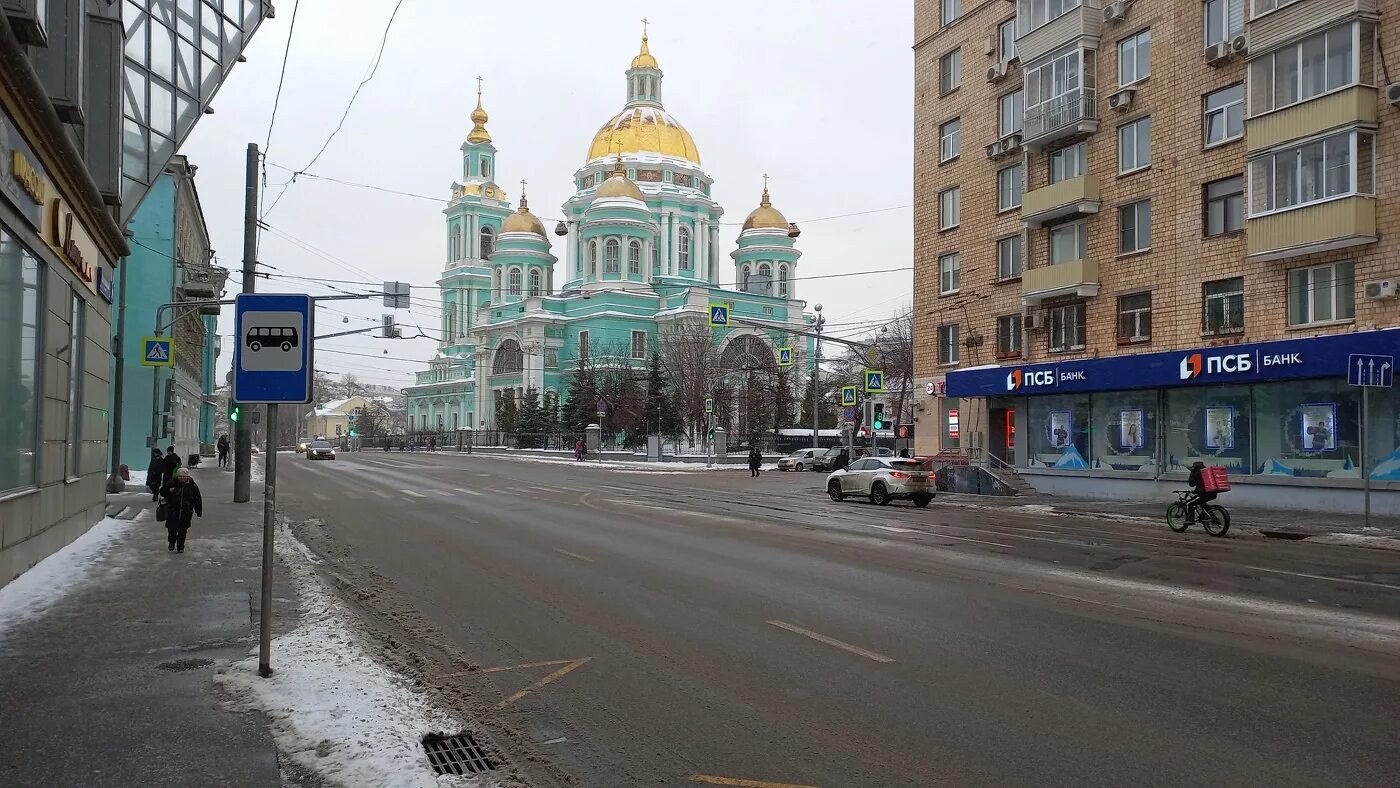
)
(816, 373)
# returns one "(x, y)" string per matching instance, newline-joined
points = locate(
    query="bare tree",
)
(690, 358)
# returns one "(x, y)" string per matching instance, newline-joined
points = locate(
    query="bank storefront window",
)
(1059, 432)
(20, 278)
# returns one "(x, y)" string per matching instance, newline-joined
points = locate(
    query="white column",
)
(702, 237)
(675, 240)
(469, 226)
(571, 252)
(714, 244)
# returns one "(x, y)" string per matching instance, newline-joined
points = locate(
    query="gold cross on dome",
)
(478, 87)
(644, 27)
(522, 187)
(765, 181)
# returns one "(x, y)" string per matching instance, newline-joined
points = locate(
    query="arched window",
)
(592, 258)
(744, 282)
(683, 248)
(634, 257)
(488, 242)
(509, 358)
(611, 250)
(486, 166)
(534, 282)
(782, 280)
(515, 281)
(655, 260)
(496, 283)
(765, 278)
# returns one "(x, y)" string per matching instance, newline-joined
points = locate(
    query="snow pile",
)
(334, 710)
(47, 582)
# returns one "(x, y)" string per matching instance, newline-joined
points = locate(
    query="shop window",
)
(1135, 145)
(950, 72)
(948, 344)
(1066, 328)
(1135, 227)
(1210, 424)
(1135, 318)
(949, 273)
(20, 277)
(1069, 162)
(1009, 336)
(949, 208)
(1009, 188)
(1058, 427)
(1135, 58)
(1307, 428)
(1123, 431)
(1068, 242)
(952, 423)
(76, 338)
(1009, 263)
(1223, 302)
(1224, 114)
(1224, 206)
(1321, 293)
(949, 140)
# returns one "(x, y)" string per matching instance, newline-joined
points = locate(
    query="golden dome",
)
(644, 130)
(479, 117)
(617, 185)
(522, 221)
(765, 215)
(644, 58)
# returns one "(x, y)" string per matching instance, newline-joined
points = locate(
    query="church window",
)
(655, 260)
(745, 281)
(515, 281)
(683, 248)
(765, 278)
(485, 167)
(535, 282)
(611, 250)
(634, 257)
(488, 241)
(508, 358)
(593, 258)
(782, 280)
(496, 283)
(454, 241)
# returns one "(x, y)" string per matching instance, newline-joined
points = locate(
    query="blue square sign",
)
(273, 339)
(1364, 369)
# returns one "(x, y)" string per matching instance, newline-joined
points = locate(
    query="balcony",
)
(1355, 105)
(1072, 197)
(1336, 224)
(1070, 278)
(1294, 20)
(1077, 24)
(1071, 115)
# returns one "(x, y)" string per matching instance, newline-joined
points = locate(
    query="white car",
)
(883, 479)
(800, 460)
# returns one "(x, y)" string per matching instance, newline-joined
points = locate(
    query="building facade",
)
(642, 255)
(1154, 233)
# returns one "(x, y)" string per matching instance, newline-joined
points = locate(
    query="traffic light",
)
(235, 413)
(352, 432)
(877, 421)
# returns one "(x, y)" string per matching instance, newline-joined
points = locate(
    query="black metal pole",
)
(242, 430)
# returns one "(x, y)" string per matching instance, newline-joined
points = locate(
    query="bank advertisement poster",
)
(1132, 427)
(1318, 425)
(1059, 427)
(1220, 427)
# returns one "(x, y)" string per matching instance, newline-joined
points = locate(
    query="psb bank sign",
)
(1019, 379)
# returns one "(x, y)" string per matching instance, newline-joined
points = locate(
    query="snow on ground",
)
(334, 710)
(47, 582)
(1359, 540)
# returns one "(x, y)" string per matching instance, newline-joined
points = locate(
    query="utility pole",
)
(242, 430)
(816, 377)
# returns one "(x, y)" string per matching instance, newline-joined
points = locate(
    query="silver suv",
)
(883, 479)
(800, 460)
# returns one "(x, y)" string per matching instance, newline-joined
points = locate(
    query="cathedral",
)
(641, 239)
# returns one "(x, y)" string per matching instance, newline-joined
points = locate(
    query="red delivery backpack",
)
(1216, 479)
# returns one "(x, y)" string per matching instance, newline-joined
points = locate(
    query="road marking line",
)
(941, 535)
(466, 491)
(444, 493)
(380, 494)
(713, 780)
(1324, 577)
(544, 664)
(551, 678)
(573, 555)
(830, 641)
(889, 528)
(321, 497)
(414, 494)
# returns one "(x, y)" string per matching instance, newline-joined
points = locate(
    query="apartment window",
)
(951, 10)
(1070, 162)
(1067, 327)
(1069, 242)
(1009, 263)
(583, 345)
(1010, 113)
(611, 248)
(1223, 20)
(1135, 227)
(1336, 166)
(1265, 6)
(1032, 14)
(639, 344)
(1135, 145)
(1224, 115)
(488, 242)
(514, 280)
(76, 335)
(1321, 293)
(948, 344)
(1009, 188)
(683, 247)
(949, 273)
(1008, 336)
(1315, 65)
(1006, 40)
(949, 140)
(950, 72)
(1135, 317)
(1223, 302)
(1224, 209)
(1135, 57)
(949, 208)
(535, 283)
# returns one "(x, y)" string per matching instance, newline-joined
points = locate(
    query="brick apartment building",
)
(1155, 232)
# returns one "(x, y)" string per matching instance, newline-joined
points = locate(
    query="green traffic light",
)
(234, 414)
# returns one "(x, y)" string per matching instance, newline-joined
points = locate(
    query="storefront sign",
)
(1287, 359)
(953, 426)
(104, 284)
(23, 181)
(71, 242)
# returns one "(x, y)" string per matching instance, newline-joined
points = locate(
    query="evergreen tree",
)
(507, 415)
(580, 407)
(530, 420)
(549, 412)
(654, 409)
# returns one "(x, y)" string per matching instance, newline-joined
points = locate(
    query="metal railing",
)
(1059, 112)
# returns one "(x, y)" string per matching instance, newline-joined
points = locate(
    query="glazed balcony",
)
(1297, 19)
(1071, 115)
(1353, 106)
(1077, 24)
(1070, 278)
(1068, 198)
(1321, 227)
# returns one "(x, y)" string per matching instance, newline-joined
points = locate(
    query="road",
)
(617, 628)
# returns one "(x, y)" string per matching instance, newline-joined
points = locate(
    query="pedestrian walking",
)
(182, 504)
(580, 450)
(755, 462)
(432, 444)
(172, 464)
(222, 447)
(155, 473)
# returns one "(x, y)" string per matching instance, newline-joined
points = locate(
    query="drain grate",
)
(181, 665)
(458, 754)
(1288, 535)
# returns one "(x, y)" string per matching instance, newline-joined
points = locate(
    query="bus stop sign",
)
(272, 357)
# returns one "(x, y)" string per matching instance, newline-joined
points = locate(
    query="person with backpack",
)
(222, 448)
(1198, 487)
(183, 503)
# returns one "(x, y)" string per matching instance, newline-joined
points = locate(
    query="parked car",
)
(823, 461)
(800, 460)
(320, 450)
(303, 444)
(882, 479)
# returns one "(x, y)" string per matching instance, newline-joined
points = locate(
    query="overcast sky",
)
(816, 94)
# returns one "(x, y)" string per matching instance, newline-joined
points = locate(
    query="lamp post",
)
(816, 375)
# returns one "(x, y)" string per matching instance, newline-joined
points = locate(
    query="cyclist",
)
(1198, 488)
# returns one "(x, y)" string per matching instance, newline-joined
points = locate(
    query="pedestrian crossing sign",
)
(158, 351)
(719, 315)
(848, 396)
(874, 381)
(784, 356)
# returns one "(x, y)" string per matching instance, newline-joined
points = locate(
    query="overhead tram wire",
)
(277, 98)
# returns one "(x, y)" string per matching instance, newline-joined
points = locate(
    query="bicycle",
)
(1213, 517)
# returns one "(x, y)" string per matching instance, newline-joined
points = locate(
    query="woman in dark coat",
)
(755, 461)
(155, 474)
(183, 503)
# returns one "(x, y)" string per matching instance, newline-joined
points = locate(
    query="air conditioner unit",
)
(1392, 94)
(1122, 100)
(1218, 53)
(997, 72)
(1381, 288)
(1004, 146)
(1239, 45)
(1115, 12)
(1034, 320)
